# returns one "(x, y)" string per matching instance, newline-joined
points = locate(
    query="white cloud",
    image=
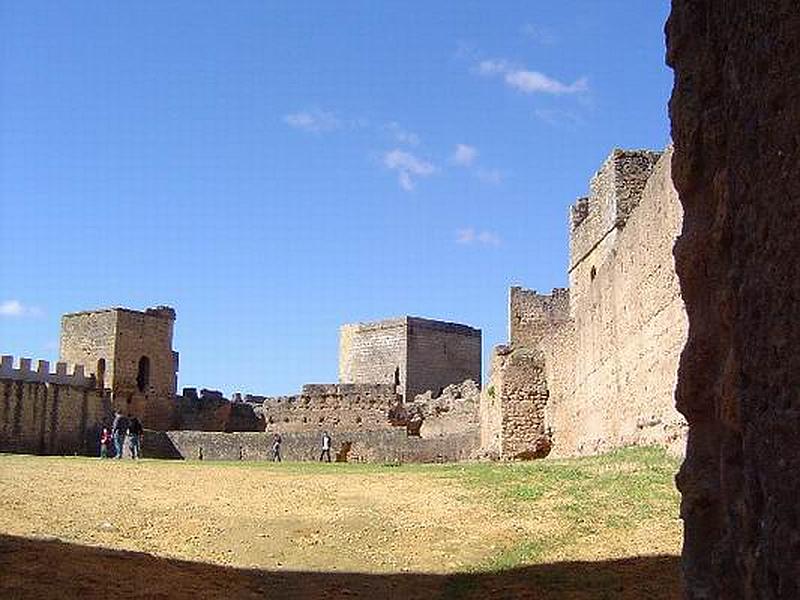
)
(471, 236)
(14, 308)
(408, 167)
(464, 155)
(491, 176)
(314, 121)
(539, 34)
(530, 82)
(402, 136)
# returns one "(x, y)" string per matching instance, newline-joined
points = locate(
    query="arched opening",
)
(593, 273)
(143, 374)
(100, 373)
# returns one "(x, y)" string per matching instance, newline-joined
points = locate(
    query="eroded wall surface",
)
(611, 343)
(629, 319)
(331, 407)
(735, 113)
(38, 417)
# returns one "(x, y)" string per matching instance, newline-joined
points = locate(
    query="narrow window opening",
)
(143, 375)
(100, 373)
(593, 273)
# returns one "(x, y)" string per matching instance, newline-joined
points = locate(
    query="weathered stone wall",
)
(210, 411)
(331, 407)
(441, 354)
(512, 412)
(121, 338)
(388, 446)
(735, 115)
(629, 321)
(374, 353)
(38, 416)
(455, 410)
(417, 354)
(88, 337)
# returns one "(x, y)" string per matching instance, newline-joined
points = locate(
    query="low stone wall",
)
(356, 446)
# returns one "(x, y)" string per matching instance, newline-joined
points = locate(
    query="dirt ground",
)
(254, 530)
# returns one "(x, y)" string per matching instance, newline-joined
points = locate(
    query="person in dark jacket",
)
(135, 430)
(326, 447)
(276, 447)
(118, 429)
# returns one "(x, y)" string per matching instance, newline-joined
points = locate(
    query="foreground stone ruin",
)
(735, 113)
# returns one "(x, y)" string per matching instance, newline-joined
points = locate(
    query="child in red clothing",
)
(105, 440)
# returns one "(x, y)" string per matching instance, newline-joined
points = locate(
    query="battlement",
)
(42, 374)
(533, 315)
(421, 322)
(615, 191)
(161, 312)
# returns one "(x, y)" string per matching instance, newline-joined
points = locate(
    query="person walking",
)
(135, 430)
(276, 448)
(118, 429)
(326, 447)
(105, 440)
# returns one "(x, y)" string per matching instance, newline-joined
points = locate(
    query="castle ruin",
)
(585, 370)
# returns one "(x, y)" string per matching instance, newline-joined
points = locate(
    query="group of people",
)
(123, 427)
(325, 454)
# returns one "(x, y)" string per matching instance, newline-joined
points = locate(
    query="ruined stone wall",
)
(512, 411)
(735, 113)
(543, 322)
(440, 354)
(39, 416)
(388, 446)
(373, 353)
(331, 407)
(627, 319)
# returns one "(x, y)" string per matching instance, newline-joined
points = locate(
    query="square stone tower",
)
(414, 354)
(129, 352)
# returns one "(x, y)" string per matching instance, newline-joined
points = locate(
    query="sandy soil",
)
(259, 517)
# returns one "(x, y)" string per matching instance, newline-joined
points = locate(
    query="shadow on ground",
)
(37, 569)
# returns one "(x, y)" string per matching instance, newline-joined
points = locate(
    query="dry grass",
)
(468, 526)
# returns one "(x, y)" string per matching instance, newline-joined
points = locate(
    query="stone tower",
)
(414, 354)
(129, 352)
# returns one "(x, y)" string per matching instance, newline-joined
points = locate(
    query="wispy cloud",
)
(529, 82)
(464, 155)
(539, 34)
(469, 236)
(401, 135)
(15, 308)
(408, 167)
(490, 176)
(313, 121)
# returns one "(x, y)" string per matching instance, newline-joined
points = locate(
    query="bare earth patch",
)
(588, 528)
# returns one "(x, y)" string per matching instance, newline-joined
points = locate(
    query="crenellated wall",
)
(50, 413)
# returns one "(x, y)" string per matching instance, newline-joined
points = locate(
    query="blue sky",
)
(273, 170)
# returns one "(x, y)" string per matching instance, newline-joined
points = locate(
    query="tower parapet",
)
(615, 191)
